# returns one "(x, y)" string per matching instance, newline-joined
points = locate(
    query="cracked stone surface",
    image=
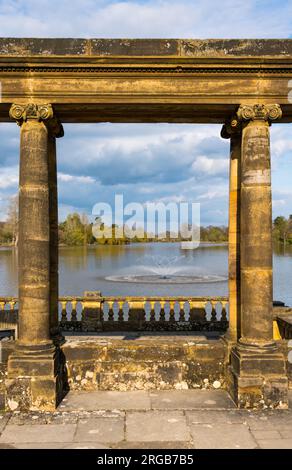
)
(184, 419)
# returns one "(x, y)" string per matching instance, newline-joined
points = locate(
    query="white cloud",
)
(76, 179)
(154, 162)
(210, 166)
(278, 203)
(152, 18)
(212, 194)
(9, 177)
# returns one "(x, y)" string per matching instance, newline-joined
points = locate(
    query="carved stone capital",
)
(259, 112)
(232, 126)
(41, 113)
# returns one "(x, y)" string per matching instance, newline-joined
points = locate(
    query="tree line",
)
(77, 230)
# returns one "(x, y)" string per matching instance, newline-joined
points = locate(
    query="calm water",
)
(107, 269)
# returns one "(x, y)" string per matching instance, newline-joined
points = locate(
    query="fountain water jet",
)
(164, 270)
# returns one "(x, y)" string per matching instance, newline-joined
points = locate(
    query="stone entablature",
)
(157, 80)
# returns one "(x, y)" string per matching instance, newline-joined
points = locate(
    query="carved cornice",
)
(41, 113)
(259, 112)
(231, 127)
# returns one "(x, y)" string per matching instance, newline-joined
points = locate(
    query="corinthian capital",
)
(259, 112)
(41, 113)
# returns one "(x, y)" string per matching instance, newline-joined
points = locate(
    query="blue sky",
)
(147, 162)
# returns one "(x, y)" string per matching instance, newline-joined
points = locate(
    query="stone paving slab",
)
(55, 445)
(3, 421)
(190, 399)
(216, 417)
(156, 426)
(264, 435)
(154, 445)
(42, 433)
(130, 422)
(275, 444)
(276, 420)
(34, 419)
(106, 400)
(222, 436)
(100, 430)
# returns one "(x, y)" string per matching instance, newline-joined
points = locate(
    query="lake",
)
(162, 269)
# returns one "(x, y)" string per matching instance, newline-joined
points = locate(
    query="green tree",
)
(281, 228)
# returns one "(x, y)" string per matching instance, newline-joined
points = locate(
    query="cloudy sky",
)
(146, 162)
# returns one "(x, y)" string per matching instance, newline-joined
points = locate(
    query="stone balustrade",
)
(9, 314)
(94, 312)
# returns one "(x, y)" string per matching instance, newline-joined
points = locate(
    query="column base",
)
(37, 379)
(258, 380)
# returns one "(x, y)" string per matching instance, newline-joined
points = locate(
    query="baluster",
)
(74, 312)
(182, 311)
(213, 312)
(142, 314)
(12, 313)
(64, 311)
(111, 311)
(224, 312)
(171, 312)
(162, 311)
(2, 311)
(152, 311)
(131, 316)
(82, 310)
(100, 317)
(121, 311)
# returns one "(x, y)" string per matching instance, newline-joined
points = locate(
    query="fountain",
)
(165, 270)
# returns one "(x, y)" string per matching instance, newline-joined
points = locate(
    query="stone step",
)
(143, 400)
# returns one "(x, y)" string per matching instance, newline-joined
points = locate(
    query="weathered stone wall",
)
(144, 364)
(116, 364)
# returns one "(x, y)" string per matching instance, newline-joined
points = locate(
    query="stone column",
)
(55, 130)
(258, 369)
(232, 130)
(34, 368)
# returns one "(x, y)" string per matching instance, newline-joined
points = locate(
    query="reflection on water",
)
(91, 268)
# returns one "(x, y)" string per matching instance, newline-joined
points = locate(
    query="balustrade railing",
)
(94, 312)
(9, 314)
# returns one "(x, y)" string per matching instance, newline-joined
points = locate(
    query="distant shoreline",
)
(63, 245)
